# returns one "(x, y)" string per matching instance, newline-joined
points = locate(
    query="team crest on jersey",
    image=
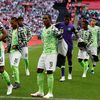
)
(69, 29)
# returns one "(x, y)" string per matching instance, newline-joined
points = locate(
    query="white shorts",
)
(2, 59)
(92, 50)
(47, 61)
(83, 54)
(62, 47)
(15, 58)
(24, 52)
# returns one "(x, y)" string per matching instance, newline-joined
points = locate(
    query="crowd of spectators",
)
(87, 15)
(32, 16)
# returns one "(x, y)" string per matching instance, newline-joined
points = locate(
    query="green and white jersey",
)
(85, 36)
(23, 30)
(49, 37)
(14, 38)
(98, 38)
(27, 32)
(1, 43)
(94, 30)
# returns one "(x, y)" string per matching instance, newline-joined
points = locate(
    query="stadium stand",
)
(33, 15)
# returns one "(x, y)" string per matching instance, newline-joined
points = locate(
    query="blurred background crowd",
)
(32, 11)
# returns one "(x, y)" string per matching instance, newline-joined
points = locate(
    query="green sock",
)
(86, 64)
(92, 68)
(40, 81)
(50, 80)
(16, 73)
(26, 63)
(82, 63)
(5, 76)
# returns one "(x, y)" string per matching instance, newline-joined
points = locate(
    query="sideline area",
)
(34, 41)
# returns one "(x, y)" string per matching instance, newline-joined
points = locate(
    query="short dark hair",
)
(94, 18)
(20, 18)
(68, 16)
(48, 15)
(13, 18)
(86, 22)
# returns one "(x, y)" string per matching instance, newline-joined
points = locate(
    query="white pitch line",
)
(15, 97)
(34, 98)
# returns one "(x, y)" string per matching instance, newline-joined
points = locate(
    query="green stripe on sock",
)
(86, 64)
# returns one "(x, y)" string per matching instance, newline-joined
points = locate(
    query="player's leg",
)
(82, 63)
(94, 58)
(25, 57)
(50, 68)
(40, 83)
(98, 52)
(61, 63)
(93, 67)
(83, 60)
(61, 58)
(50, 82)
(69, 57)
(4, 74)
(85, 67)
(40, 77)
(15, 59)
(81, 57)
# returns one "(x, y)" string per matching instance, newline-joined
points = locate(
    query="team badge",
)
(69, 29)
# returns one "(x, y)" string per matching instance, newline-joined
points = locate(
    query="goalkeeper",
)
(84, 41)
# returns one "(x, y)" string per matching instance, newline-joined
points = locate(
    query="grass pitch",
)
(76, 89)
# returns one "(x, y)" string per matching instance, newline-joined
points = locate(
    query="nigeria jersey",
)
(27, 32)
(94, 30)
(1, 43)
(14, 39)
(49, 37)
(85, 36)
